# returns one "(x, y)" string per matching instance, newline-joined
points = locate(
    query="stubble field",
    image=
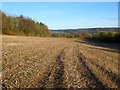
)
(34, 62)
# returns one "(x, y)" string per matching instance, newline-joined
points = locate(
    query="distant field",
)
(34, 62)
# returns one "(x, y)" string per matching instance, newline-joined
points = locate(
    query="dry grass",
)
(46, 62)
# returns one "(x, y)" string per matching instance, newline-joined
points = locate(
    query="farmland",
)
(47, 62)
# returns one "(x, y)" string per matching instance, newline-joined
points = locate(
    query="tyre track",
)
(54, 74)
(59, 79)
(73, 78)
(110, 75)
(86, 72)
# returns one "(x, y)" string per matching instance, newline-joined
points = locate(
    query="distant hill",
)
(84, 30)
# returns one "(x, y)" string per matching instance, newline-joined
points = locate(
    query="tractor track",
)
(54, 74)
(112, 76)
(87, 73)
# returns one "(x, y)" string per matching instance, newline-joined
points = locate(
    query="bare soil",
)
(35, 62)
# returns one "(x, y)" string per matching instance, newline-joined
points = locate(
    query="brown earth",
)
(34, 62)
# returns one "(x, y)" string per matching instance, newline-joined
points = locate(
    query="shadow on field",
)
(112, 47)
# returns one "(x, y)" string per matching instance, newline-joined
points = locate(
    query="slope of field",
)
(34, 62)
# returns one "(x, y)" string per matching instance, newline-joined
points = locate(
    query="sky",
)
(66, 15)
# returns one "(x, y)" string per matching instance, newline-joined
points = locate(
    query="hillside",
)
(21, 25)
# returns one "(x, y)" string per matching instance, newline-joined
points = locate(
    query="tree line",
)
(106, 36)
(70, 35)
(21, 25)
(102, 36)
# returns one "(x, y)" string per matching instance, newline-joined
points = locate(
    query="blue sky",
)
(67, 15)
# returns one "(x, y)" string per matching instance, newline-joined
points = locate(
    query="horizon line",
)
(82, 28)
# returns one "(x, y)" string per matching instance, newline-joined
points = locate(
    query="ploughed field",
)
(34, 62)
